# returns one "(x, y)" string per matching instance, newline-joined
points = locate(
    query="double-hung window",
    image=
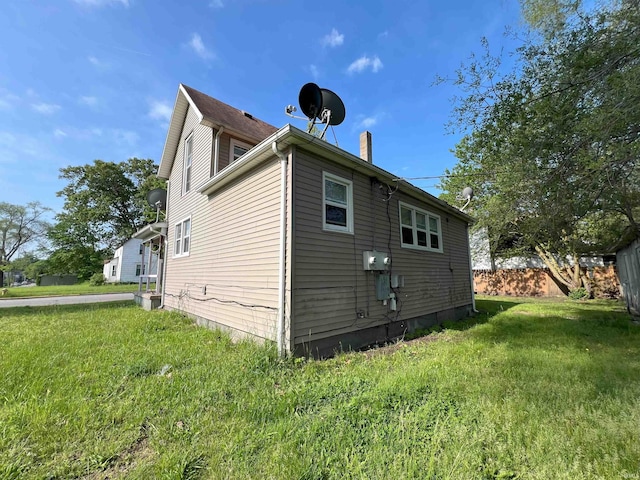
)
(237, 149)
(140, 269)
(337, 209)
(420, 229)
(188, 157)
(182, 238)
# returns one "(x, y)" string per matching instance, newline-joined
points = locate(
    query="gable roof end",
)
(213, 113)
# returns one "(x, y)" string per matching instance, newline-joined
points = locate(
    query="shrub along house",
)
(278, 235)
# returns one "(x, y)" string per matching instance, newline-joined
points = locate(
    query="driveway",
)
(67, 300)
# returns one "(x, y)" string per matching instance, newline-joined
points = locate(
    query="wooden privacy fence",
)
(537, 282)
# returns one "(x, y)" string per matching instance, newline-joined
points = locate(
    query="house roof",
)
(290, 135)
(216, 114)
(213, 113)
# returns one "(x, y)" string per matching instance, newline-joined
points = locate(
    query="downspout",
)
(282, 262)
(217, 152)
(166, 248)
(473, 293)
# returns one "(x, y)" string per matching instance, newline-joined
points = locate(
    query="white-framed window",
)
(141, 248)
(182, 239)
(140, 270)
(419, 229)
(113, 270)
(188, 158)
(337, 203)
(237, 149)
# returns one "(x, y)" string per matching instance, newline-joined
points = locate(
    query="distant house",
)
(529, 276)
(628, 262)
(127, 263)
(278, 235)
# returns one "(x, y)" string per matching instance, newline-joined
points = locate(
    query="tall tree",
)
(105, 204)
(554, 145)
(19, 226)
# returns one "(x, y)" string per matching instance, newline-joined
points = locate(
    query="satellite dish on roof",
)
(333, 103)
(310, 100)
(157, 198)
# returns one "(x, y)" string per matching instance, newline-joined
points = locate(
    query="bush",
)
(97, 279)
(579, 294)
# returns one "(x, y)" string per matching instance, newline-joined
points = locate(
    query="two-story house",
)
(128, 263)
(278, 235)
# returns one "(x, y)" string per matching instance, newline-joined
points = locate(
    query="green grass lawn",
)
(530, 389)
(58, 290)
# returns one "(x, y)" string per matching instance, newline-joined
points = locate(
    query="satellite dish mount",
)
(319, 104)
(157, 198)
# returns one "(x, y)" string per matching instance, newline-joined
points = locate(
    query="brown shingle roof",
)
(220, 113)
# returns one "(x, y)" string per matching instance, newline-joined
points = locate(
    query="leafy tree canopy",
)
(20, 226)
(105, 204)
(552, 147)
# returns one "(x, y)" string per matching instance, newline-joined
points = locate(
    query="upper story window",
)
(188, 156)
(419, 229)
(237, 149)
(113, 270)
(337, 208)
(141, 249)
(182, 239)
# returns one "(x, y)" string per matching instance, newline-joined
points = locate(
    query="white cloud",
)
(314, 71)
(8, 101)
(88, 101)
(368, 122)
(384, 34)
(159, 110)
(59, 133)
(364, 63)
(216, 4)
(45, 108)
(125, 137)
(97, 62)
(363, 121)
(333, 39)
(101, 3)
(196, 44)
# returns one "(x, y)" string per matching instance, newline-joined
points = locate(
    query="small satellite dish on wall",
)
(310, 100)
(467, 194)
(157, 198)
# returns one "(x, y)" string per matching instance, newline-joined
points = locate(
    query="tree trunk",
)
(1, 278)
(571, 276)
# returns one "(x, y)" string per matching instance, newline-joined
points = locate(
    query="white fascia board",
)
(290, 135)
(180, 108)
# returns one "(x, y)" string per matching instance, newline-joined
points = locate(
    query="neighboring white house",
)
(481, 258)
(127, 263)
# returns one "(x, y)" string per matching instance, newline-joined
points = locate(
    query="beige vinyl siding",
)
(231, 273)
(330, 283)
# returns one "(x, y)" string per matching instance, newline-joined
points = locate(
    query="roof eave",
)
(290, 135)
(178, 116)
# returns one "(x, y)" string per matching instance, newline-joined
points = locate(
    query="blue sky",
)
(96, 79)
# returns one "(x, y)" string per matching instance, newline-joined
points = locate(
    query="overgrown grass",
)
(58, 290)
(530, 389)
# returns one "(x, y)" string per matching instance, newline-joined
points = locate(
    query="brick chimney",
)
(365, 147)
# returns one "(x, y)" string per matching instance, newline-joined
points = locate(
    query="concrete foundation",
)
(358, 340)
(148, 301)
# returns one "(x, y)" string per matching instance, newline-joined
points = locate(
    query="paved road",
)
(68, 300)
